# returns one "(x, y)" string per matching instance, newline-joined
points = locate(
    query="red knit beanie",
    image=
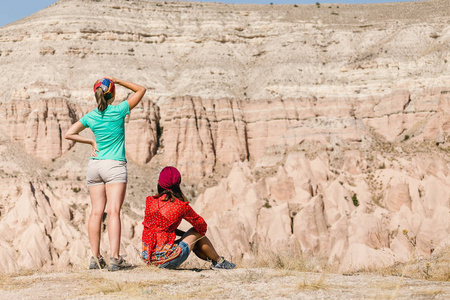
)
(169, 177)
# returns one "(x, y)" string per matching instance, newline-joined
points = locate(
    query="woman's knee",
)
(192, 230)
(113, 212)
(191, 237)
(97, 214)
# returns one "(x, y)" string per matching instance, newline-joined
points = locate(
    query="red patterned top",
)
(163, 217)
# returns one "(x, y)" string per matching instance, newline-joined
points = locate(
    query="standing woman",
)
(107, 168)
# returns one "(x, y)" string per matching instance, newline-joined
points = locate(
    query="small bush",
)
(355, 200)
(434, 35)
(267, 204)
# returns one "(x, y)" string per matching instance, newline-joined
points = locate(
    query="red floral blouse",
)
(161, 220)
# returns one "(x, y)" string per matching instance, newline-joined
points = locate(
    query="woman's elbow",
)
(68, 136)
(203, 228)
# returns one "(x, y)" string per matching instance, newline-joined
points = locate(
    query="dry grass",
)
(282, 274)
(314, 284)
(131, 288)
(435, 268)
(102, 282)
(389, 288)
(291, 259)
(150, 282)
(20, 279)
(250, 276)
(430, 294)
(202, 292)
(163, 286)
(13, 281)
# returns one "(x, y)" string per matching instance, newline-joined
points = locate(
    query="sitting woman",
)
(163, 214)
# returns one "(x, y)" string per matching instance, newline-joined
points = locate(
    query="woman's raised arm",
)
(139, 91)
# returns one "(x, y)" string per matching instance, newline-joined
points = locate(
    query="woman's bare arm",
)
(72, 134)
(139, 91)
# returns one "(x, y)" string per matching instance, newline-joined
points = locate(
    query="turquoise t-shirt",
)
(109, 130)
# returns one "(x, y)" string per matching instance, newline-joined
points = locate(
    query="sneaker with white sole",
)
(223, 264)
(97, 263)
(118, 264)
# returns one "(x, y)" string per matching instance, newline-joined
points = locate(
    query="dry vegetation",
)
(288, 260)
(262, 283)
(269, 274)
(434, 268)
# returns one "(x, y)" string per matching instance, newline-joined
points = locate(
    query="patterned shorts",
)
(169, 256)
(175, 263)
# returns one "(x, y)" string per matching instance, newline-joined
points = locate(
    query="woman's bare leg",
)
(203, 246)
(98, 201)
(199, 253)
(115, 193)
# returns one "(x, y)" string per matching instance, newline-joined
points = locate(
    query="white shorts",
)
(106, 171)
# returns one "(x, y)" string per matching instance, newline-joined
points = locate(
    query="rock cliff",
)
(322, 130)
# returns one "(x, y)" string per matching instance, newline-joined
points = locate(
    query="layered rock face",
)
(323, 130)
(40, 125)
(203, 134)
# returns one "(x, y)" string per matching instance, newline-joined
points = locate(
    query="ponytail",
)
(101, 101)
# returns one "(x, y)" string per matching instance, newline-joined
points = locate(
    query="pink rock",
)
(363, 257)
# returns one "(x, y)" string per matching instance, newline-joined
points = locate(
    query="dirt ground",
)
(259, 283)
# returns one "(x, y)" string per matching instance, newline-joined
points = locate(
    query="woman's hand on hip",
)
(94, 148)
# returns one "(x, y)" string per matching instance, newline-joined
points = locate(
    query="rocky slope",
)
(323, 130)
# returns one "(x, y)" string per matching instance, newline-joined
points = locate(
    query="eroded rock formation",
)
(323, 130)
(356, 220)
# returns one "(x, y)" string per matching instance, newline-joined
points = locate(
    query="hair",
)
(101, 101)
(172, 194)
